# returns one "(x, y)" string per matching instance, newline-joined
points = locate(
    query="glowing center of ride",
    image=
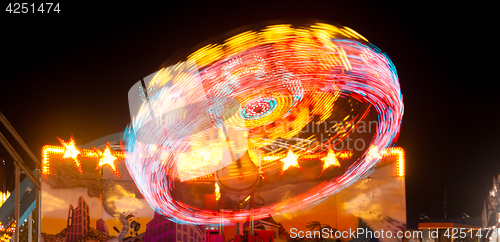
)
(258, 108)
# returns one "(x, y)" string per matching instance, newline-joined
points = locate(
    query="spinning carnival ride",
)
(265, 123)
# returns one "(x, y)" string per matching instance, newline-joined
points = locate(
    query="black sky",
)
(69, 73)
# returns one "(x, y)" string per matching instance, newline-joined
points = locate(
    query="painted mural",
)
(88, 195)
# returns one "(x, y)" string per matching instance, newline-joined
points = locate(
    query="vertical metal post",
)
(17, 200)
(238, 204)
(221, 224)
(217, 208)
(30, 231)
(39, 208)
(251, 213)
(251, 227)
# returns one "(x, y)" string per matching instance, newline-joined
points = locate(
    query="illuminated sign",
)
(68, 150)
(108, 157)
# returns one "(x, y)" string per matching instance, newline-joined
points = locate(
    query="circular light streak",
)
(254, 91)
(258, 108)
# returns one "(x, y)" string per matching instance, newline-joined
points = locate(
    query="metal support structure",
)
(39, 209)
(251, 213)
(238, 204)
(16, 136)
(17, 201)
(20, 165)
(30, 230)
(221, 225)
(19, 161)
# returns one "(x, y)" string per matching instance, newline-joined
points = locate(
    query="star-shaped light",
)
(106, 158)
(70, 151)
(330, 160)
(289, 160)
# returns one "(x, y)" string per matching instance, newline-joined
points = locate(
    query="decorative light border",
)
(104, 157)
(109, 157)
(399, 153)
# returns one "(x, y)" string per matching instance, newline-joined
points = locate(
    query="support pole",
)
(238, 204)
(39, 209)
(221, 224)
(221, 228)
(17, 200)
(20, 165)
(30, 230)
(251, 213)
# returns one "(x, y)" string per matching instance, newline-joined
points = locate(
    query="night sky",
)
(69, 73)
